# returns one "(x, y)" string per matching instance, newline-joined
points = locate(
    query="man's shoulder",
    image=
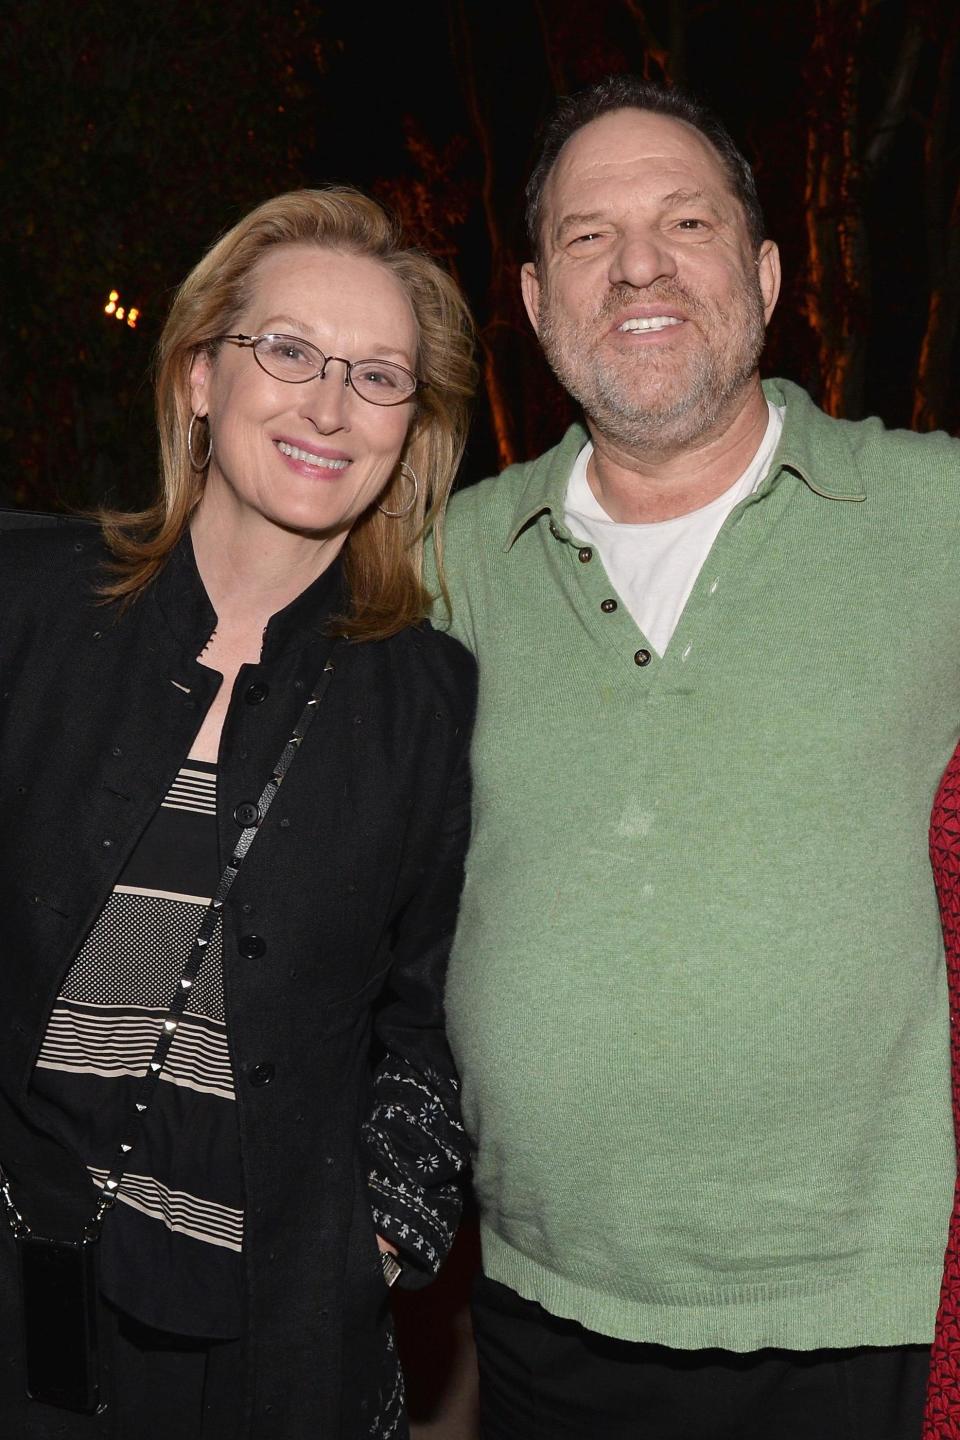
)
(489, 511)
(873, 443)
(480, 506)
(867, 448)
(918, 454)
(480, 529)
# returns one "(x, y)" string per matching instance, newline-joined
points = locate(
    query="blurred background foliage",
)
(134, 133)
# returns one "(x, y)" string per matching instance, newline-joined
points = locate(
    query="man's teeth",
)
(296, 453)
(650, 322)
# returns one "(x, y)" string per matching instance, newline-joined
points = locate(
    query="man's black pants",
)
(547, 1379)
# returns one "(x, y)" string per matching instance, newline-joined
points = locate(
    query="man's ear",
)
(530, 290)
(768, 275)
(199, 377)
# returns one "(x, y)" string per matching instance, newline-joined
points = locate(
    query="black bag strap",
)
(208, 924)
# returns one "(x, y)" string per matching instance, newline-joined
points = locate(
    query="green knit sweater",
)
(697, 996)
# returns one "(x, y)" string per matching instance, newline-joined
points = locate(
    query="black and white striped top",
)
(171, 1246)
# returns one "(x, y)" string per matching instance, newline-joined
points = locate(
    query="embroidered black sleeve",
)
(415, 1145)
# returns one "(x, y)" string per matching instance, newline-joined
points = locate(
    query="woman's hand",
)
(385, 1246)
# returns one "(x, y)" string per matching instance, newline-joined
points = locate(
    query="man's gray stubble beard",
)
(615, 408)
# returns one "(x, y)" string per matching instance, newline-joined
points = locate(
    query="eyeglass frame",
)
(250, 342)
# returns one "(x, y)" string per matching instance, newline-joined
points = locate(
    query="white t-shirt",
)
(654, 567)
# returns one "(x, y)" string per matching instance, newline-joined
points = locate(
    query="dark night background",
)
(135, 132)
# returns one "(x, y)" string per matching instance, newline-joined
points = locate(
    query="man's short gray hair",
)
(629, 92)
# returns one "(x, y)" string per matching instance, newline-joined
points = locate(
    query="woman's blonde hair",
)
(382, 555)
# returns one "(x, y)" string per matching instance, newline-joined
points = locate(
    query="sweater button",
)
(252, 947)
(246, 814)
(257, 692)
(642, 657)
(608, 606)
(261, 1074)
(585, 554)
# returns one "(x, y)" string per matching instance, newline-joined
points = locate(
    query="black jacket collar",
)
(185, 606)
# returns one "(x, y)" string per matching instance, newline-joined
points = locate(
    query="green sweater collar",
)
(812, 447)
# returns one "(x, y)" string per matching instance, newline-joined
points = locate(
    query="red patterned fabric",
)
(942, 1419)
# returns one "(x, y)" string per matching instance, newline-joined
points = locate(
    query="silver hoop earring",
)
(408, 473)
(202, 464)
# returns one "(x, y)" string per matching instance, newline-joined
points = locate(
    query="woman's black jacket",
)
(352, 884)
